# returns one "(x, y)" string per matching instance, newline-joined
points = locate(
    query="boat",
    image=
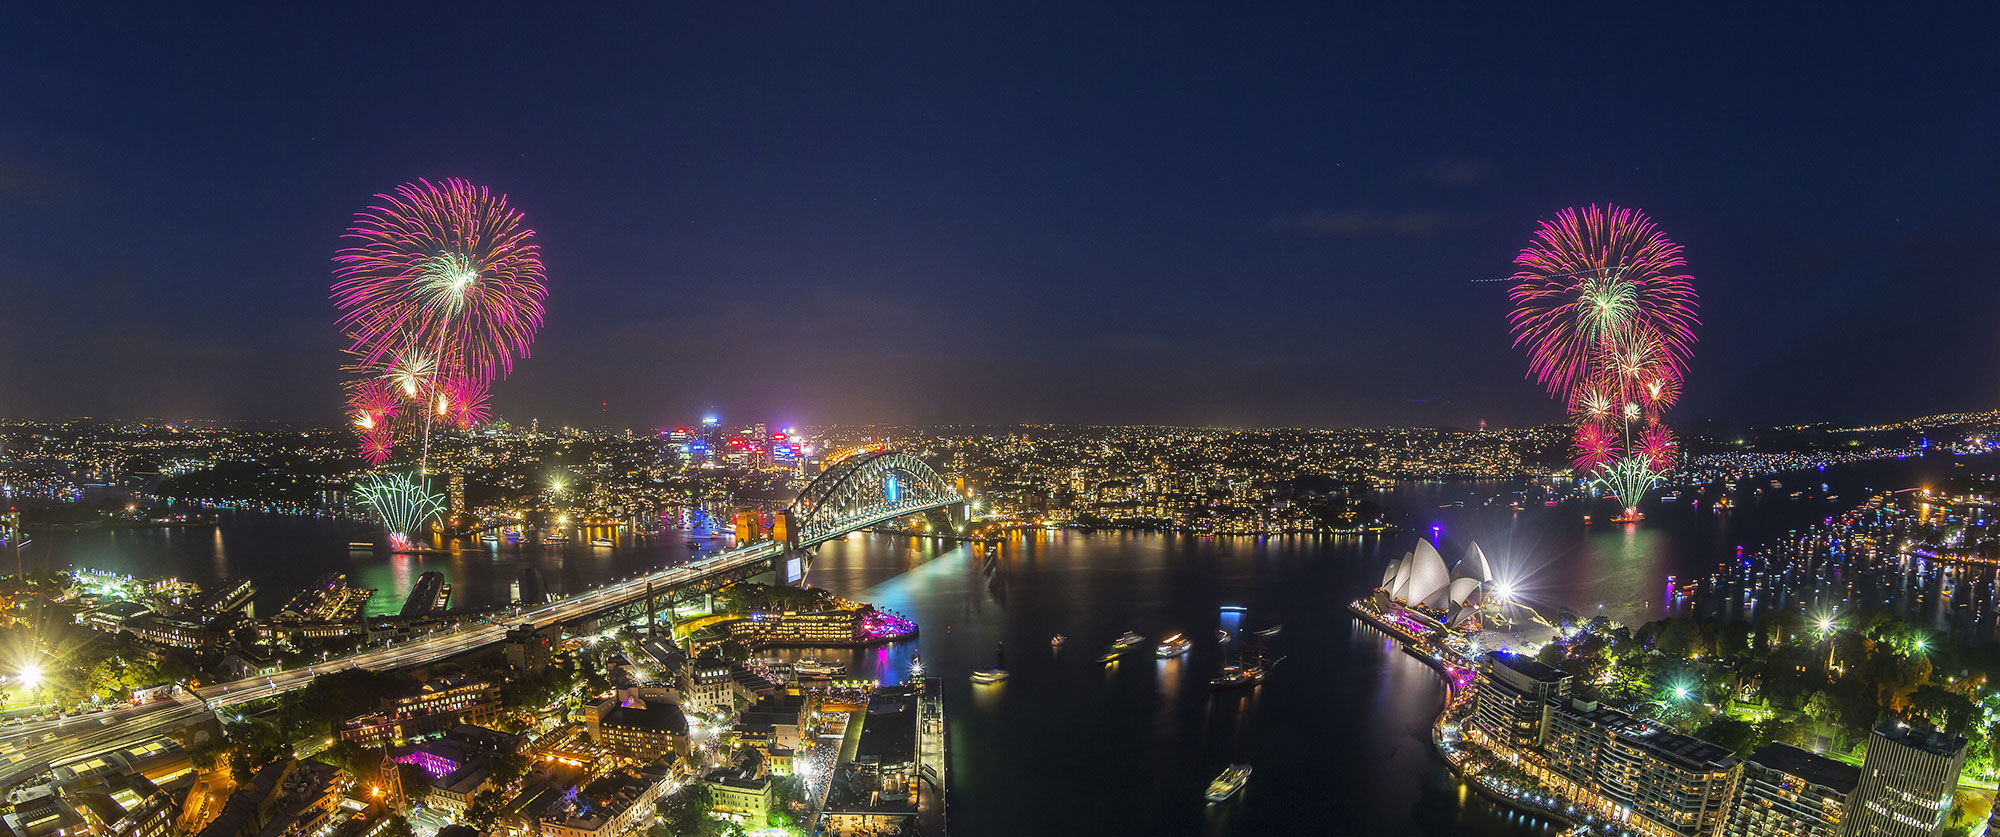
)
(1238, 675)
(600, 542)
(1270, 631)
(1110, 656)
(1234, 609)
(990, 675)
(1173, 646)
(1221, 635)
(1227, 784)
(694, 544)
(490, 537)
(1127, 640)
(810, 667)
(350, 545)
(1057, 641)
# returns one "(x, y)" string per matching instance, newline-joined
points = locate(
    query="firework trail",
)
(1607, 318)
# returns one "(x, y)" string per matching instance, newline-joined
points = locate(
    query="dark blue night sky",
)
(1224, 213)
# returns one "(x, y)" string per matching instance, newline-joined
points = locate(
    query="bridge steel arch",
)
(864, 490)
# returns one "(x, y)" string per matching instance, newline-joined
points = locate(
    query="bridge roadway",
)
(32, 748)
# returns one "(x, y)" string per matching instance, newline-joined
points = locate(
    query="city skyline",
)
(1002, 216)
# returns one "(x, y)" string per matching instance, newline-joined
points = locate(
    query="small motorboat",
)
(1227, 784)
(1221, 635)
(989, 675)
(1057, 641)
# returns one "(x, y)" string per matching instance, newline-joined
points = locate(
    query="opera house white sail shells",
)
(1420, 578)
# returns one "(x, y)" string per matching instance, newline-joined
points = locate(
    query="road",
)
(31, 748)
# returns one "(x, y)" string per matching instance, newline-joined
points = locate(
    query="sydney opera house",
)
(1421, 585)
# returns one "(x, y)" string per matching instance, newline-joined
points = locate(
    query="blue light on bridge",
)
(889, 488)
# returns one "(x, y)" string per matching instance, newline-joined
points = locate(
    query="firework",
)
(1594, 444)
(444, 272)
(465, 402)
(376, 445)
(1595, 281)
(1607, 319)
(1658, 445)
(403, 504)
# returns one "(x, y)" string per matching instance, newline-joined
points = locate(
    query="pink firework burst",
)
(1593, 447)
(376, 445)
(1658, 445)
(373, 404)
(465, 403)
(1597, 281)
(445, 270)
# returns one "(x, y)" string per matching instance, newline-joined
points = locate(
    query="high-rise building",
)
(1907, 778)
(1512, 697)
(1678, 783)
(1789, 792)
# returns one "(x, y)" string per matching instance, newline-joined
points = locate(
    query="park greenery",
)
(1818, 683)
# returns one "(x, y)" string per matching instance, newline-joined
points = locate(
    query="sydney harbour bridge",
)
(861, 491)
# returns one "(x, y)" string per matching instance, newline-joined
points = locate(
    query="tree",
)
(485, 808)
(1734, 733)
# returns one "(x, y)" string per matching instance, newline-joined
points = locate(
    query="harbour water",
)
(1338, 734)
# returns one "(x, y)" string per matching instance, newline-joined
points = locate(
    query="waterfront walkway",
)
(1493, 775)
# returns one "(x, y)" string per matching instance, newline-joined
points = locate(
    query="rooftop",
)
(1812, 767)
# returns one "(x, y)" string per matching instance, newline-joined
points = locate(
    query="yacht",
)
(554, 537)
(991, 675)
(1128, 640)
(810, 667)
(1227, 784)
(1173, 646)
(600, 542)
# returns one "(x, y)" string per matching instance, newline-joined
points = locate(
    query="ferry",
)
(600, 542)
(1057, 641)
(1227, 784)
(554, 537)
(991, 675)
(1173, 646)
(810, 667)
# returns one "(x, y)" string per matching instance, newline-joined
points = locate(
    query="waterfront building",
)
(817, 629)
(1671, 783)
(1789, 792)
(1907, 777)
(1512, 696)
